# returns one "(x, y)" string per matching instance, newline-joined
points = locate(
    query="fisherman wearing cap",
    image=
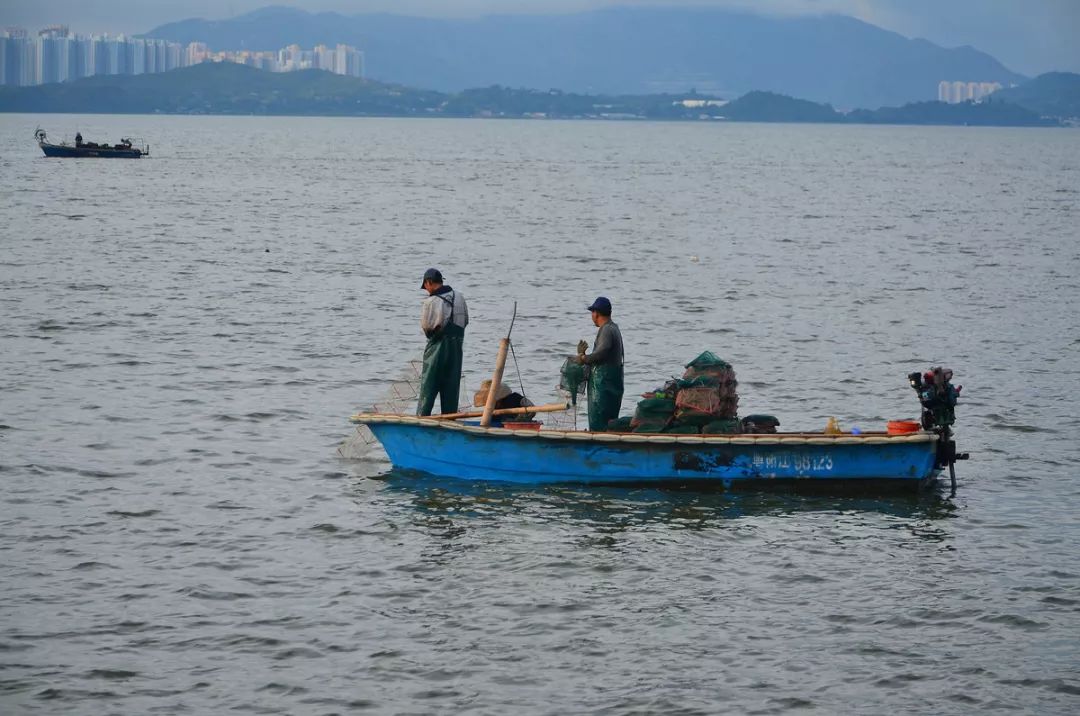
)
(443, 318)
(605, 386)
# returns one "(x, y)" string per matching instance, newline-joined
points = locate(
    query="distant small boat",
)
(123, 150)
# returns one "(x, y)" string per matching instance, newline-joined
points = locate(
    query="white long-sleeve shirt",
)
(435, 311)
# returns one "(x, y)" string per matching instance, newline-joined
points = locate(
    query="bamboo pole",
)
(496, 381)
(503, 412)
(549, 408)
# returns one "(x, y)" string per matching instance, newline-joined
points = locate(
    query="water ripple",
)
(178, 534)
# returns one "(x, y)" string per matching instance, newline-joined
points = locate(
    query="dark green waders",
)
(605, 395)
(442, 370)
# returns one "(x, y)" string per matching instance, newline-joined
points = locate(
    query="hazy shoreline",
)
(229, 89)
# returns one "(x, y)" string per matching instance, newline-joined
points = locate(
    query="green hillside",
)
(228, 88)
(988, 113)
(221, 88)
(771, 107)
(1054, 94)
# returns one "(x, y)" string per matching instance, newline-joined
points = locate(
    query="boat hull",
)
(542, 457)
(59, 150)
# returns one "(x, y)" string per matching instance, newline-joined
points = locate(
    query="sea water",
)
(182, 338)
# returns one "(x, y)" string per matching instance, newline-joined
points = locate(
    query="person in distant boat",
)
(78, 139)
(505, 399)
(605, 386)
(443, 319)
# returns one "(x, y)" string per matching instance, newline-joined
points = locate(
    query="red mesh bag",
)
(705, 400)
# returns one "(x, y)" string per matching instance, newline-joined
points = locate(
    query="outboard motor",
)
(938, 398)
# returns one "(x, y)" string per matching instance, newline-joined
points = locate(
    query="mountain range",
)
(623, 50)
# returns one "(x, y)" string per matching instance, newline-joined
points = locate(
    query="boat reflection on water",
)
(623, 508)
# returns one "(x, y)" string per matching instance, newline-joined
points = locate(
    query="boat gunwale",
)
(816, 439)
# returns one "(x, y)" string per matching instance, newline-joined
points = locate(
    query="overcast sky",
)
(1029, 36)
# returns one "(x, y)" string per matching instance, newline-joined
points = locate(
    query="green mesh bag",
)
(656, 406)
(708, 359)
(573, 378)
(693, 417)
(722, 427)
(649, 426)
(697, 381)
(682, 430)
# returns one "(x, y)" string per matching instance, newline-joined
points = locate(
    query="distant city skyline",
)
(55, 54)
(1031, 36)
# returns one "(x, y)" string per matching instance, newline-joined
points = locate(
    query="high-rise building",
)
(957, 91)
(84, 63)
(196, 52)
(53, 51)
(350, 61)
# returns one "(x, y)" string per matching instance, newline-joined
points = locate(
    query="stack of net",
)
(707, 393)
(705, 400)
(653, 415)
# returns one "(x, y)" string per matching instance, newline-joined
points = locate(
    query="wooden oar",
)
(550, 408)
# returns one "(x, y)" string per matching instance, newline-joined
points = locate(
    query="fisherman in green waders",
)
(443, 318)
(605, 387)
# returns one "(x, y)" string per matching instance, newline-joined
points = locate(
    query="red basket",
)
(527, 425)
(902, 427)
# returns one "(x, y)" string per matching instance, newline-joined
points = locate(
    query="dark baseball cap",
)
(601, 305)
(432, 274)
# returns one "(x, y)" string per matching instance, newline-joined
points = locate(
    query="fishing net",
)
(681, 430)
(727, 426)
(656, 407)
(702, 403)
(399, 399)
(573, 378)
(717, 376)
(708, 388)
(651, 425)
(702, 399)
(696, 381)
(708, 359)
(652, 415)
(693, 417)
(709, 366)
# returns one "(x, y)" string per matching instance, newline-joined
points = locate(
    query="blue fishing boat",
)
(453, 449)
(908, 454)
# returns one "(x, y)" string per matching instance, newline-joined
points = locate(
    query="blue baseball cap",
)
(601, 305)
(432, 274)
